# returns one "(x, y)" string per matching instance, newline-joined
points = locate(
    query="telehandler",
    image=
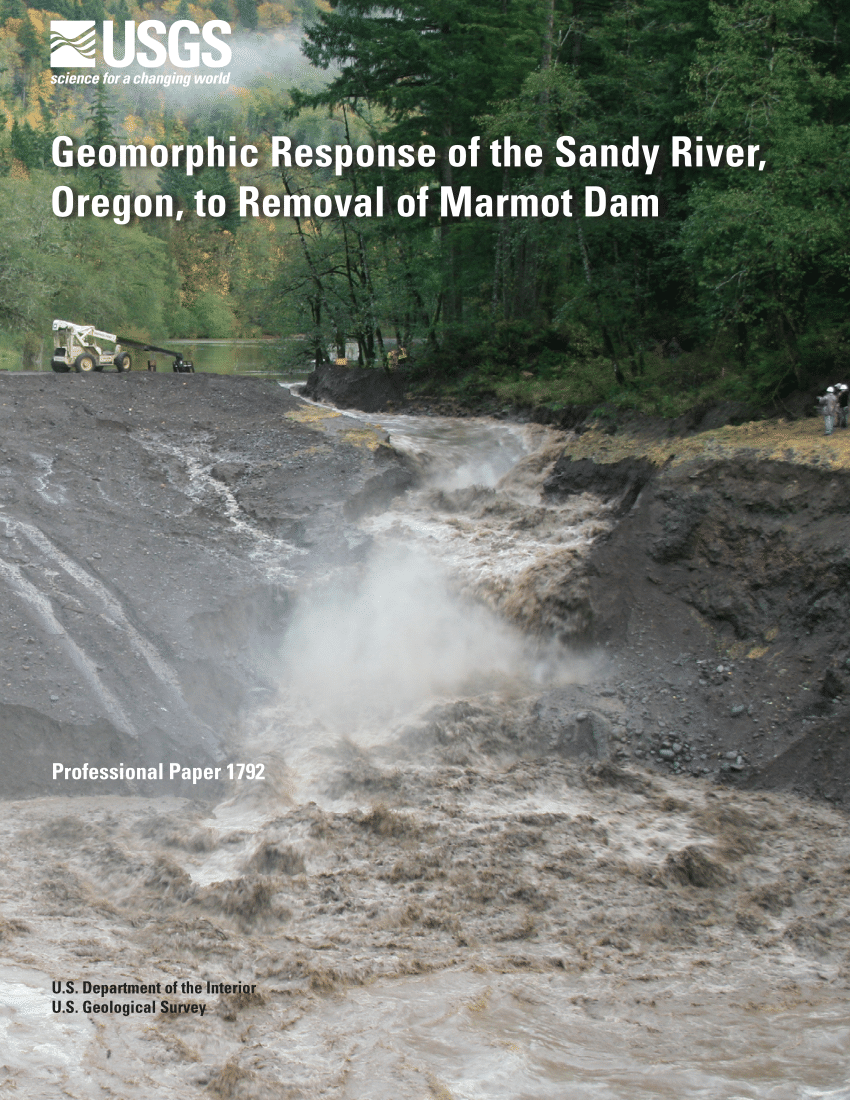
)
(75, 348)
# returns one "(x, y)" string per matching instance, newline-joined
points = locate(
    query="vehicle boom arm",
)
(86, 330)
(178, 355)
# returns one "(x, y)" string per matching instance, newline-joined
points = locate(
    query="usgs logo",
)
(73, 42)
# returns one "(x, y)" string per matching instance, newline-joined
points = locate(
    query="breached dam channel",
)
(461, 876)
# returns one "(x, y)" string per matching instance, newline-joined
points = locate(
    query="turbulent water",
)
(431, 898)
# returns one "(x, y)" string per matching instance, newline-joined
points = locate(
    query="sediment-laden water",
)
(444, 885)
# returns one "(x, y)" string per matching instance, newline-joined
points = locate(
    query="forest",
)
(740, 289)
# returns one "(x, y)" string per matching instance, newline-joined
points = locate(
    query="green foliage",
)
(31, 249)
(741, 289)
(33, 48)
(77, 267)
(30, 146)
(103, 180)
(211, 317)
(12, 9)
(429, 68)
(770, 247)
(211, 180)
(246, 12)
(431, 65)
(92, 9)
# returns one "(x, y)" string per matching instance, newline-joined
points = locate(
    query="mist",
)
(273, 57)
(395, 640)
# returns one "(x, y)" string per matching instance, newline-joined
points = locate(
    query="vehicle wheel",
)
(123, 362)
(85, 363)
(59, 366)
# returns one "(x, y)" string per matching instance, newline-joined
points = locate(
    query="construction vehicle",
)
(76, 348)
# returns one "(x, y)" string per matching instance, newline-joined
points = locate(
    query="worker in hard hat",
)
(843, 401)
(829, 409)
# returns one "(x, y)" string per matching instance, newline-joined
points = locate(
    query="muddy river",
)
(449, 879)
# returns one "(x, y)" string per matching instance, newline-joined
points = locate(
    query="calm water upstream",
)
(231, 356)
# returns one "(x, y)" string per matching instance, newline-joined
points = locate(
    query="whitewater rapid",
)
(433, 898)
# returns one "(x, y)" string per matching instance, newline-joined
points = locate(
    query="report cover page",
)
(422, 562)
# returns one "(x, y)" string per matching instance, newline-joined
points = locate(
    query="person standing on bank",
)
(829, 409)
(843, 400)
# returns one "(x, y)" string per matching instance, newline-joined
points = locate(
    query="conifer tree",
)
(12, 9)
(93, 9)
(106, 181)
(33, 50)
(246, 11)
(432, 67)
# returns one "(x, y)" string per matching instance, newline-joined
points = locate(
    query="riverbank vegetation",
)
(738, 291)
